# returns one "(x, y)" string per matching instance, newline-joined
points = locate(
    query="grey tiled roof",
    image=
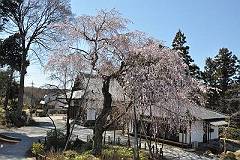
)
(202, 113)
(94, 91)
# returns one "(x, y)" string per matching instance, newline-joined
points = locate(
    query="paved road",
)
(31, 134)
(28, 135)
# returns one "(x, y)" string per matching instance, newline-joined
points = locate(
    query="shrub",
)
(232, 133)
(70, 154)
(2, 115)
(121, 153)
(37, 148)
(55, 156)
(237, 153)
(55, 139)
(86, 157)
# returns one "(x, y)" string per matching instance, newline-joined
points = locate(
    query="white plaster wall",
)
(214, 135)
(185, 138)
(197, 131)
(91, 114)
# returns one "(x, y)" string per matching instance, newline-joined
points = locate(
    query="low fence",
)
(156, 149)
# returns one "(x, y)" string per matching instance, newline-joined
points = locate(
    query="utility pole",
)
(31, 106)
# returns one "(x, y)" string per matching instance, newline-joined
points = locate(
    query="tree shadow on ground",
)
(17, 150)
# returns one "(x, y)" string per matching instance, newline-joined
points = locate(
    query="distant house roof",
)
(94, 91)
(75, 95)
(42, 102)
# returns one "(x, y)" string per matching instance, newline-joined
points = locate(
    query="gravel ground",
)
(32, 134)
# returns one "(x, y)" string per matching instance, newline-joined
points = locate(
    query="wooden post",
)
(136, 153)
(190, 133)
(87, 138)
(104, 138)
(161, 152)
(114, 136)
(118, 140)
(182, 138)
(109, 140)
(128, 136)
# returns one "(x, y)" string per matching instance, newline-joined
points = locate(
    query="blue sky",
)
(207, 24)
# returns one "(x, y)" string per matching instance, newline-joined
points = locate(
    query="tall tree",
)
(178, 44)
(33, 20)
(112, 51)
(159, 87)
(237, 78)
(220, 77)
(226, 68)
(210, 78)
(108, 48)
(11, 52)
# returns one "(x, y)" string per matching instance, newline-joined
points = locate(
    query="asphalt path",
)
(30, 134)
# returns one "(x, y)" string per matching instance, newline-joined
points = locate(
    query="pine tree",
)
(226, 68)
(178, 44)
(220, 76)
(237, 77)
(209, 74)
(209, 77)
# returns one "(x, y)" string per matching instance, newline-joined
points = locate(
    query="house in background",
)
(57, 103)
(202, 129)
(88, 106)
(50, 104)
(93, 102)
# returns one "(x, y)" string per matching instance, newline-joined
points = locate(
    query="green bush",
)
(2, 115)
(121, 153)
(232, 133)
(70, 154)
(55, 139)
(109, 153)
(56, 156)
(86, 157)
(37, 148)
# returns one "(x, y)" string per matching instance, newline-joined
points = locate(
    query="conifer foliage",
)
(179, 44)
(220, 75)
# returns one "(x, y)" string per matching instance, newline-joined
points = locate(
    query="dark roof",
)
(203, 113)
(94, 91)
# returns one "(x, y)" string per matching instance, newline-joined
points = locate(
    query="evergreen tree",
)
(220, 77)
(11, 52)
(179, 45)
(209, 75)
(237, 77)
(226, 69)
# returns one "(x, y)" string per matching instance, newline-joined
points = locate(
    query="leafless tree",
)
(33, 20)
(66, 71)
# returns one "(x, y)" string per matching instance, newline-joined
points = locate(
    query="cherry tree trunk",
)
(68, 123)
(102, 118)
